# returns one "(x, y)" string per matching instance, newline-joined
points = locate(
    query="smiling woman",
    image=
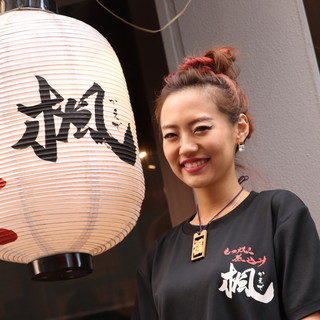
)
(249, 251)
(199, 141)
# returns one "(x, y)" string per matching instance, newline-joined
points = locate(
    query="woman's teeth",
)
(194, 164)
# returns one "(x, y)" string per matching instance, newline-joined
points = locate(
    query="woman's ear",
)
(242, 128)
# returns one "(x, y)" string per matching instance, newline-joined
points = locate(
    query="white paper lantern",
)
(71, 182)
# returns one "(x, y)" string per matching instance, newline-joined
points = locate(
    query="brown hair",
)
(216, 72)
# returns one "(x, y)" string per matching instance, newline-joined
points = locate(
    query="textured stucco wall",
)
(279, 74)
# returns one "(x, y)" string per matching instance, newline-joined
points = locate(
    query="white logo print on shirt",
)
(236, 281)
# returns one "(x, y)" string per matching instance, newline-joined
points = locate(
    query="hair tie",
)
(243, 179)
(197, 63)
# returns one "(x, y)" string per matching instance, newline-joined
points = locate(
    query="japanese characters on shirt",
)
(251, 281)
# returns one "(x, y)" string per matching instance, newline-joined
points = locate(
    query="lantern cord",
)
(145, 29)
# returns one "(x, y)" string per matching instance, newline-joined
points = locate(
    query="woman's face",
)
(199, 142)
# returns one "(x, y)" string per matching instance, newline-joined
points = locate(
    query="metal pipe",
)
(48, 5)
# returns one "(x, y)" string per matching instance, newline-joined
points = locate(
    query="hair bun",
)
(219, 61)
(224, 58)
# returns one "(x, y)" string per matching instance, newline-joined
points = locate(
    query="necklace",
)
(200, 237)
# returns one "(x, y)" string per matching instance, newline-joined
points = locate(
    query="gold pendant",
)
(199, 245)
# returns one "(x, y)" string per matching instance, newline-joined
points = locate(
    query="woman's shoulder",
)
(169, 235)
(278, 193)
(281, 197)
(162, 243)
(285, 205)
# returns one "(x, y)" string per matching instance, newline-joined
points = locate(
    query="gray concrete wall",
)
(279, 74)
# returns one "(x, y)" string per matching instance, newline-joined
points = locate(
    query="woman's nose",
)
(187, 146)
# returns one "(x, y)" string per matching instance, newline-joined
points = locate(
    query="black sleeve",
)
(144, 308)
(297, 250)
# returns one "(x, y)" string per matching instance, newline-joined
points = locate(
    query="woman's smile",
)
(194, 165)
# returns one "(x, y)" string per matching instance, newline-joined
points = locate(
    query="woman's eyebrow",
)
(191, 123)
(169, 126)
(195, 121)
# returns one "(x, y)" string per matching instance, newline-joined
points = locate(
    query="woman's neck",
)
(212, 200)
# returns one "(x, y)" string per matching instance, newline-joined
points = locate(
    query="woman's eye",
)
(169, 135)
(202, 128)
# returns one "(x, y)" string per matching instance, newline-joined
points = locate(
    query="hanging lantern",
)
(71, 181)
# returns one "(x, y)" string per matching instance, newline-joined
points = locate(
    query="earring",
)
(241, 147)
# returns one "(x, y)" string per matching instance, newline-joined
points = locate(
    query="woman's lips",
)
(194, 165)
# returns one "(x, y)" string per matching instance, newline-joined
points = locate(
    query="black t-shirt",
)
(262, 262)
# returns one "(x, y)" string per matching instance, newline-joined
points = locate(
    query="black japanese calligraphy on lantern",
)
(75, 114)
